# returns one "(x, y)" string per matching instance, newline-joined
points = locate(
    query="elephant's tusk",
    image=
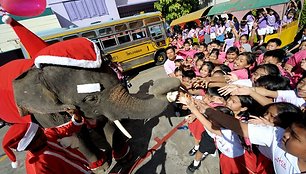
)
(123, 130)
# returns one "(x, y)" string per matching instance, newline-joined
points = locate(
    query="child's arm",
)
(253, 33)
(187, 100)
(295, 47)
(228, 122)
(257, 93)
(236, 34)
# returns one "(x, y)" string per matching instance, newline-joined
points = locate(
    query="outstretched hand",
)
(259, 120)
(201, 82)
(235, 90)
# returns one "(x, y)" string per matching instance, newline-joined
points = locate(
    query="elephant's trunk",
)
(122, 104)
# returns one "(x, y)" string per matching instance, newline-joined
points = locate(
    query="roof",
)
(240, 5)
(189, 17)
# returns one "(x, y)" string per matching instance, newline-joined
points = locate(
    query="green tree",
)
(303, 15)
(173, 9)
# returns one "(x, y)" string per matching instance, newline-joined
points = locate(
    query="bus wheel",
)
(160, 58)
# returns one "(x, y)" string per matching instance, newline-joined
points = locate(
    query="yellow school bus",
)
(132, 41)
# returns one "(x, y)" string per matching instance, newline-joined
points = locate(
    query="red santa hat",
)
(78, 52)
(29, 40)
(18, 137)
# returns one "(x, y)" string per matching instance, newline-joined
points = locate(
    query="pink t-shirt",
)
(260, 59)
(296, 59)
(241, 73)
(221, 57)
(231, 65)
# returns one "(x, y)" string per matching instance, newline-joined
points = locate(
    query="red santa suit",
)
(54, 158)
(51, 157)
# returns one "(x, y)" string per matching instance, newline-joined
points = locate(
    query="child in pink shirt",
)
(242, 64)
(231, 55)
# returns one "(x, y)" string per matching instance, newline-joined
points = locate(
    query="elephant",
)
(42, 88)
(48, 91)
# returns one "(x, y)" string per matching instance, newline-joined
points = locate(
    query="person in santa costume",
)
(46, 151)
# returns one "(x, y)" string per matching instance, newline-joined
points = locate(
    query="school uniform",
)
(290, 97)
(283, 162)
(233, 157)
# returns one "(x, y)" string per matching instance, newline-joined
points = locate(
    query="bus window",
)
(135, 24)
(70, 37)
(152, 20)
(105, 31)
(121, 27)
(138, 34)
(50, 42)
(156, 31)
(109, 41)
(123, 37)
(89, 35)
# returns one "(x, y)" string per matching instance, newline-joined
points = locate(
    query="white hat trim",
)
(89, 88)
(68, 61)
(28, 137)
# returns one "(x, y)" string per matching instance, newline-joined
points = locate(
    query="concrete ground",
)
(170, 158)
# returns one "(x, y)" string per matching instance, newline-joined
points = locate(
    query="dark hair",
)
(199, 55)
(189, 39)
(213, 91)
(186, 42)
(216, 42)
(271, 69)
(226, 69)
(225, 110)
(273, 83)
(232, 50)
(230, 35)
(245, 35)
(195, 43)
(250, 58)
(204, 44)
(215, 51)
(219, 72)
(170, 48)
(189, 73)
(275, 40)
(209, 65)
(243, 22)
(178, 60)
(286, 113)
(177, 69)
(279, 54)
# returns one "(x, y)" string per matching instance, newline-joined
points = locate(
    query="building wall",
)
(10, 41)
(83, 12)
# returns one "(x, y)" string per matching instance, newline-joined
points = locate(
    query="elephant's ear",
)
(32, 95)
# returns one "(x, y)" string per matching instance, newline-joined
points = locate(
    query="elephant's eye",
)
(90, 98)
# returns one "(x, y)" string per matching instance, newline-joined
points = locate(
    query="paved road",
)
(171, 158)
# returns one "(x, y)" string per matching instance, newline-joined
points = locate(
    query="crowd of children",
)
(235, 91)
(262, 21)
